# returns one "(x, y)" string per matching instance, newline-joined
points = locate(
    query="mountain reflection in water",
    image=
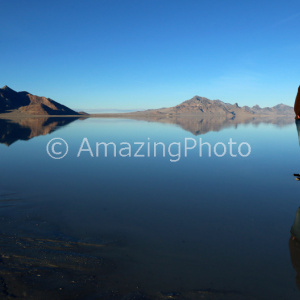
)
(27, 128)
(198, 125)
(12, 130)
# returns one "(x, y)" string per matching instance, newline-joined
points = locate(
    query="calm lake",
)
(96, 227)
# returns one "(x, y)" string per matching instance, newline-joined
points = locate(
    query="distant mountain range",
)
(26, 103)
(203, 106)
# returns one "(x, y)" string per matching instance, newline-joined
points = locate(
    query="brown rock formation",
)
(297, 104)
(203, 106)
(26, 103)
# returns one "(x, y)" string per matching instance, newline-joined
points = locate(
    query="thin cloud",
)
(287, 20)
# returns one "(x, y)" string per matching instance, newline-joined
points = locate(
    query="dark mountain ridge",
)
(203, 106)
(26, 103)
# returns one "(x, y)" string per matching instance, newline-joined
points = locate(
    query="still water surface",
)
(200, 228)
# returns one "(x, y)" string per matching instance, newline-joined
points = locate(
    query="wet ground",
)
(39, 262)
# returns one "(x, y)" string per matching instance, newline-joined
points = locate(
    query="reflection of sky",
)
(272, 147)
(234, 214)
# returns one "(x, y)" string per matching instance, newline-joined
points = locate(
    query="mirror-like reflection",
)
(12, 130)
(95, 227)
(28, 128)
(198, 125)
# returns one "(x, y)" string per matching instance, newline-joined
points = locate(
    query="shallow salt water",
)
(214, 227)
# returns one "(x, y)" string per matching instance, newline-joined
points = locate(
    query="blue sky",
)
(138, 54)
